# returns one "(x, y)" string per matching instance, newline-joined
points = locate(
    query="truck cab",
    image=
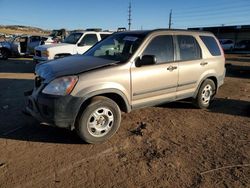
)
(76, 43)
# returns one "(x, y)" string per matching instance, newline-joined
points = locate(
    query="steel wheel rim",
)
(100, 122)
(206, 94)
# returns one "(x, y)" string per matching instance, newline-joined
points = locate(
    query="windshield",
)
(72, 38)
(117, 47)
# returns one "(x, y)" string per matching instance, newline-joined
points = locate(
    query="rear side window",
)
(162, 48)
(89, 39)
(188, 47)
(211, 45)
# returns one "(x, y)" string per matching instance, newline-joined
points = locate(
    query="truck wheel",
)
(4, 53)
(99, 120)
(205, 94)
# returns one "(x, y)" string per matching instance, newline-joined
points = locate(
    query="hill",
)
(20, 29)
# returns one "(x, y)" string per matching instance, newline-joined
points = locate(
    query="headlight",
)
(45, 53)
(61, 86)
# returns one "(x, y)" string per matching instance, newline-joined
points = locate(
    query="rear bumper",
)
(60, 111)
(221, 78)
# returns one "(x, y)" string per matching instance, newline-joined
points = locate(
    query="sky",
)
(111, 14)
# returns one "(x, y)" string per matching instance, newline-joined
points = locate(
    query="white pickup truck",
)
(75, 43)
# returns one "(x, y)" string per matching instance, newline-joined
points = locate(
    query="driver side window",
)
(162, 48)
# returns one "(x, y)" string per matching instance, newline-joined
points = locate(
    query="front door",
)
(155, 84)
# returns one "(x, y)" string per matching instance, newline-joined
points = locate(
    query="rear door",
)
(34, 41)
(191, 65)
(154, 84)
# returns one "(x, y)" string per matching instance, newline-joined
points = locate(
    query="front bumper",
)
(60, 111)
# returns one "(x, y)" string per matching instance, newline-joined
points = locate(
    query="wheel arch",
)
(113, 94)
(211, 77)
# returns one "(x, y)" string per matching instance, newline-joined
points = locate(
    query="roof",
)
(146, 32)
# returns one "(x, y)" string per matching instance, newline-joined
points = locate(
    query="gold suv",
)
(126, 71)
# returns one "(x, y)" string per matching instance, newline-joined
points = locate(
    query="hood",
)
(51, 46)
(71, 65)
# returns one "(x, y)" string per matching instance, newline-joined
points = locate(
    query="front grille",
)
(38, 53)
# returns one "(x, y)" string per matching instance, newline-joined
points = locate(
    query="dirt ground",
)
(173, 145)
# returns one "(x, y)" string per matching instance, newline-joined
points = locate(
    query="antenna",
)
(129, 16)
(170, 20)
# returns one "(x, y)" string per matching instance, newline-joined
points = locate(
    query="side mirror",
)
(146, 60)
(80, 44)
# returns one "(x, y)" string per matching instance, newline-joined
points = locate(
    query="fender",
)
(109, 91)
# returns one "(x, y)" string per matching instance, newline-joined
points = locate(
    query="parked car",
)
(227, 44)
(126, 71)
(59, 34)
(75, 43)
(22, 45)
(243, 45)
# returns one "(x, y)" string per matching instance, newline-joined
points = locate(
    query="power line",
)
(208, 7)
(218, 12)
(214, 24)
(224, 15)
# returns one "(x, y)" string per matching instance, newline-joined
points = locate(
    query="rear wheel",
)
(205, 94)
(99, 121)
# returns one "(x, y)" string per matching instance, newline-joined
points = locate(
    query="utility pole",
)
(170, 20)
(129, 16)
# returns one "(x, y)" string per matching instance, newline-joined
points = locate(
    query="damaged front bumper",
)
(59, 111)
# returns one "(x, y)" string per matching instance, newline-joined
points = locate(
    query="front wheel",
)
(4, 54)
(99, 121)
(205, 94)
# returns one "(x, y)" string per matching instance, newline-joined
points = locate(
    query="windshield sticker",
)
(128, 38)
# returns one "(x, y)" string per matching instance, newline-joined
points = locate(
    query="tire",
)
(4, 53)
(99, 120)
(205, 94)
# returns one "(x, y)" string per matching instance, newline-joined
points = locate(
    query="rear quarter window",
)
(211, 45)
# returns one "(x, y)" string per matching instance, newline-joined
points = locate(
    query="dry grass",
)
(30, 32)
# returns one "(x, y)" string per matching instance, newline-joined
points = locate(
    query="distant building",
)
(235, 33)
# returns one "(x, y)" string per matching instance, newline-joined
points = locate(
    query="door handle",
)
(171, 68)
(203, 63)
